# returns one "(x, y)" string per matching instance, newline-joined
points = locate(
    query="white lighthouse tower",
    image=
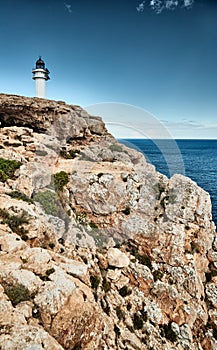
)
(40, 75)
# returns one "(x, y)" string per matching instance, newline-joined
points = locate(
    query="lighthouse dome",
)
(40, 63)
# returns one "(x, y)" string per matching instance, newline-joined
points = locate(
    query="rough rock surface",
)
(97, 249)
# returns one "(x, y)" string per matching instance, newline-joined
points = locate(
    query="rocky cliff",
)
(97, 249)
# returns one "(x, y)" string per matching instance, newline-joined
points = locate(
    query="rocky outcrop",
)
(47, 116)
(97, 249)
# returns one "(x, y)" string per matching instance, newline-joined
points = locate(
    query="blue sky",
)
(159, 56)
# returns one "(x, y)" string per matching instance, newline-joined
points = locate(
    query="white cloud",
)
(171, 4)
(119, 121)
(141, 7)
(68, 7)
(184, 129)
(188, 3)
(159, 5)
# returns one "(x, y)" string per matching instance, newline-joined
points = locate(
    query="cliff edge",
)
(97, 249)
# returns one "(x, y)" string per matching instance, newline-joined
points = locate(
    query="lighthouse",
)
(40, 75)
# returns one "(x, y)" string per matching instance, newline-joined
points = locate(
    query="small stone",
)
(114, 275)
(117, 258)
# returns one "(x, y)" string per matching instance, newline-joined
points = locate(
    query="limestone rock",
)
(53, 294)
(119, 257)
(46, 116)
(211, 292)
(24, 337)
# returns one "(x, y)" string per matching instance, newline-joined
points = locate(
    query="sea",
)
(196, 159)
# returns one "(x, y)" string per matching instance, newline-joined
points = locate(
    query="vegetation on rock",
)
(17, 293)
(8, 168)
(125, 291)
(48, 201)
(20, 196)
(106, 285)
(143, 259)
(137, 321)
(94, 280)
(93, 225)
(60, 180)
(15, 222)
(3, 176)
(116, 148)
(41, 153)
(71, 154)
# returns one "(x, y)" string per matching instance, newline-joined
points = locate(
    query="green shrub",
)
(8, 168)
(12, 144)
(48, 201)
(68, 154)
(21, 196)
(116, 148)
(17, 293)
(41, 153)
(94, 280)
(137, 321)
(50, 271)
(15, 222)
(60, 180)
(143, 259)
(3, 176)
(73, 153)
(124, 291)
(119, 313)
(106, 285)
(93, 225)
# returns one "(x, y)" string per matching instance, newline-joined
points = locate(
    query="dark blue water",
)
(197, 159)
